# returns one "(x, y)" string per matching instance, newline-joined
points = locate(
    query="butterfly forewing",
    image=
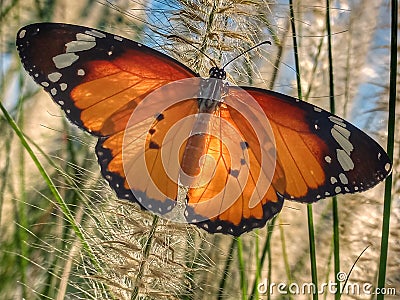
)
(97, 78)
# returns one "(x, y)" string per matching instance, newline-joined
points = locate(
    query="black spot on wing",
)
(244, 145)
(153, 145)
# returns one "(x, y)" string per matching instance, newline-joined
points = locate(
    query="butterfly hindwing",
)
(245, 186)
(132, 160)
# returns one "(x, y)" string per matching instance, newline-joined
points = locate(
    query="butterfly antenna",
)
(248, 50)
(173, 36)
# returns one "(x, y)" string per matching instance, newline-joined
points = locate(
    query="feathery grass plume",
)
(118, 234)
(219, 29)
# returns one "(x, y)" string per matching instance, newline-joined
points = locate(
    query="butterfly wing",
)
(317, 155)
(321, 154)
(238, 186)
(99, 79)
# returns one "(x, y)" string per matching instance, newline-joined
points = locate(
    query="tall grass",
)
(63, 233)
(390, 148)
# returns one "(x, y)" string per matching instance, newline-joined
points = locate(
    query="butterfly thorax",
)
(210, 96)
(212, 90)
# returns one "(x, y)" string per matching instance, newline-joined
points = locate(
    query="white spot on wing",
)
(343, 131)
(342, 138)
(22, 34)
(85, 37)
(65, 60)
(54, 77)
(387, 167)
(63, 86)
(343, 178)
(53, 91)
(328, 159)
(333, 180)
(76, 46)
(81, 72)
(317, 109)
(344, 160)
(95, 33)
(337, 121)
(118, 38)
(44, 83)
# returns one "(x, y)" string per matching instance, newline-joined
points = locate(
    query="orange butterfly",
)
(237, 152)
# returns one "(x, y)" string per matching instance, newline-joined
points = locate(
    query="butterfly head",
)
(217, 73)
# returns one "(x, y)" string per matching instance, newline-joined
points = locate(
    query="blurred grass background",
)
(40, 254)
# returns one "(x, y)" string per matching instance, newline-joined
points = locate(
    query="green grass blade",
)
(67, 213)
(285, 258)
(313, 259)
(295, 50)
(225, 273)
(335, 213)
(243, 281)
(266, 250)
(390, 148)
(336, 245)
(20, 209)
(258, 265)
